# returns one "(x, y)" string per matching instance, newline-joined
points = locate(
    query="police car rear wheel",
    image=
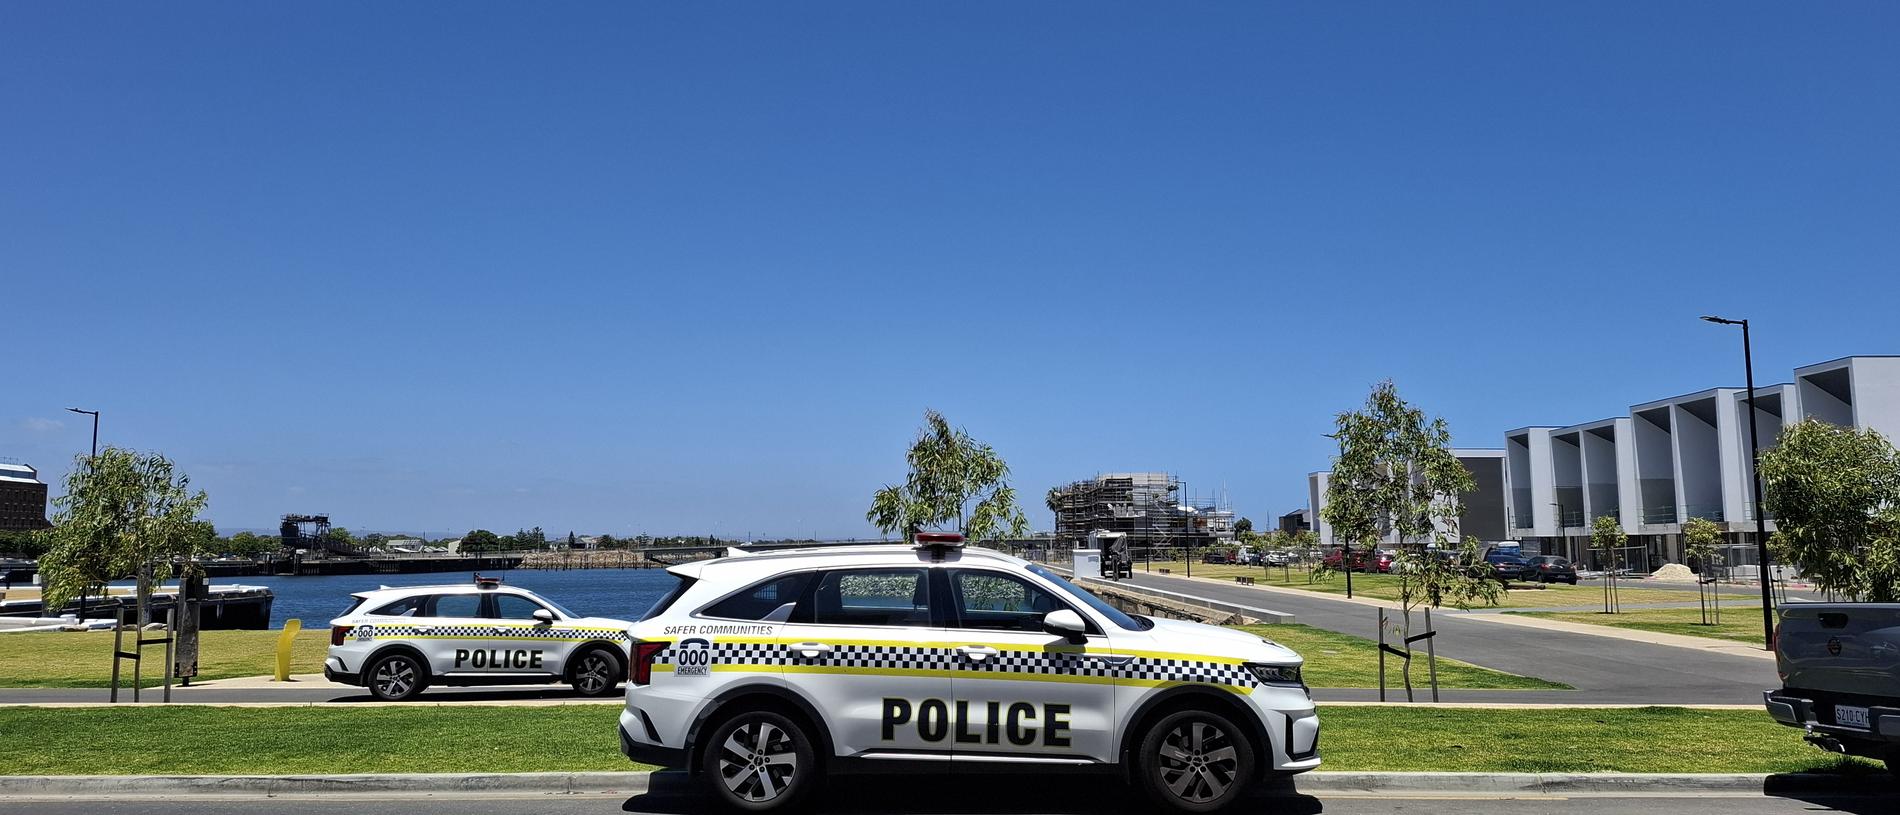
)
(596, 674)
(396, 677)
(759, 762)
(1195, 761)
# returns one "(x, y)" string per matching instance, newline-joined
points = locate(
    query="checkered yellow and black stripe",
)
(503, 631)
(1015, 663)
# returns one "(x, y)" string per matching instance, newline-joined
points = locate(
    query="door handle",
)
(811, 650)
(977, 653)
(424, 629)
(1113, 659)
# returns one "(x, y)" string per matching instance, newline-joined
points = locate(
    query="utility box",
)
(1088, 562)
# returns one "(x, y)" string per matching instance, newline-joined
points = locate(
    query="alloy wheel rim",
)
(1198, 762)
(593, 674)
(758, 761)
(395, 677)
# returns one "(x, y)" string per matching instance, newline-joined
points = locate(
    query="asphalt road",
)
(1602, 669)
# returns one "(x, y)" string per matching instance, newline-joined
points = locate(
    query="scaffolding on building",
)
(1151, 509)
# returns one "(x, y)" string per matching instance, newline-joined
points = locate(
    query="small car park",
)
(396, 642)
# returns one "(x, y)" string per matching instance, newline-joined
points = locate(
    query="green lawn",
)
(84, 660)
(337, 739)
(1386, 587)
(1344, 661)
(1740, 622)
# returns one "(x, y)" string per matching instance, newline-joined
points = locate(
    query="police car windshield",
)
(1114, 615)
(562, 610)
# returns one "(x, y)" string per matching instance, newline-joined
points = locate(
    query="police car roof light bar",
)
(937, 543)
(486, 582)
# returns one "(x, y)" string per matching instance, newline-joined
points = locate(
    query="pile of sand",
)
(1673, 573)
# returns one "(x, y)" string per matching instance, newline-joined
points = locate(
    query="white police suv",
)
(763, 672)
(395, 642)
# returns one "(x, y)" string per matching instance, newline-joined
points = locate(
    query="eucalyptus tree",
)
(1834, 493)
(123, 513)
(1395, 474)
(953, 479)
(1700, 537)
(1608, 539)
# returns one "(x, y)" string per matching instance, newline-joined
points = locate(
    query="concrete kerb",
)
(635, 783)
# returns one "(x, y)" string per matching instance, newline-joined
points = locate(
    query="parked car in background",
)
(1362, 560)
(1218, 557)
(1508, 565)
(1280, 558)
(1550, 569)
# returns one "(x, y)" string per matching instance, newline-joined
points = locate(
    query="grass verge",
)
(1335, 660)
(291, 740)
(84, 660)
(1740, 622)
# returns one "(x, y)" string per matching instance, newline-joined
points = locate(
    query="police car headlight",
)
(1276, 674)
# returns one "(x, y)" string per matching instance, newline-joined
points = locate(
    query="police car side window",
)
(515, 607)
(1000, 602)
(456, 605)
(760, 600)
(883, 597)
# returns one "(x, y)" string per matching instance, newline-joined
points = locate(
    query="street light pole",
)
(1761, 519)
(93, 464)
(95, 430)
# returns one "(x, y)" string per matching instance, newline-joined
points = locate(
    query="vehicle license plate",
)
(1850, 716)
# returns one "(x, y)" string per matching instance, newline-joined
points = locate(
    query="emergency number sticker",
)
(694, 658)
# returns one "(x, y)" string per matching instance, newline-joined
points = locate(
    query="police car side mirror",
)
(1065, 623)
(542, 615)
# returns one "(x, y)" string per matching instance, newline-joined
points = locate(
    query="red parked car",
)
(1362, 560)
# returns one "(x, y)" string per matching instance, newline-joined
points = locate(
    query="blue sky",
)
(700, 268)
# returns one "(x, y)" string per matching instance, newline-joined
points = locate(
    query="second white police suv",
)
(763, 672)
(396, 642)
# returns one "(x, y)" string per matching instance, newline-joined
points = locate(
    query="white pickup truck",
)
(1840, 677)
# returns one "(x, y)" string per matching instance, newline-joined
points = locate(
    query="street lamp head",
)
(1721, 320)
(82, 410)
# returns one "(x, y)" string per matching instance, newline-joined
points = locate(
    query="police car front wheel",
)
(396, 677)
(760, 761)
(1196, 761)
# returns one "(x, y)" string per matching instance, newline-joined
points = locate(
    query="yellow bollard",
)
(291, 627)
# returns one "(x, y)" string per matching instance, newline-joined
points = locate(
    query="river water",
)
(618, 593)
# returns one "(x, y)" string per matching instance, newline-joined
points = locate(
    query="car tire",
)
(760, 761)
(596, 672)
(1195, 761)
(396, 677)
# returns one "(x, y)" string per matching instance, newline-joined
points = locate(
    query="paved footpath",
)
(1606, 669)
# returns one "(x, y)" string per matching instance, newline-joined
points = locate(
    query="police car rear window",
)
(406, 607)
(759, 601)
(667, 600)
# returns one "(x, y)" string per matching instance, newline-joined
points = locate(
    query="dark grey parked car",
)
(1550, 569)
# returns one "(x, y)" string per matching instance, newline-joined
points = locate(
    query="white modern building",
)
(1484, 507)
(1665, 463)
